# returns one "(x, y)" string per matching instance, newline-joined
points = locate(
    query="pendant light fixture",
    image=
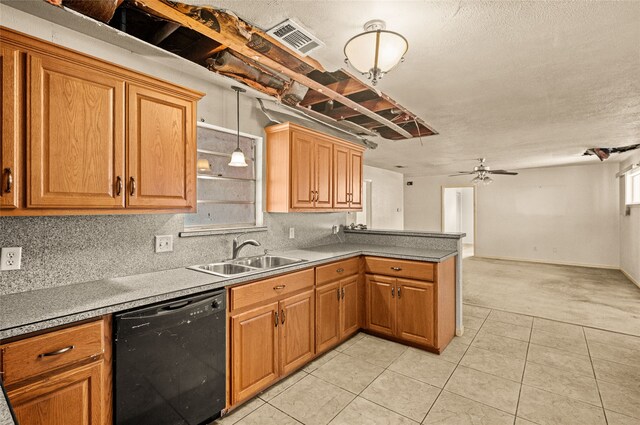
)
(376, 51)
(237, 157)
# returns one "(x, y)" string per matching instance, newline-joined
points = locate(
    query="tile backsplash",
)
(70, 249)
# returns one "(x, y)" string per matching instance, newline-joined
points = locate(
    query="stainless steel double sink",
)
(244, 265)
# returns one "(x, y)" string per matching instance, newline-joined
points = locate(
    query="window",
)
(228, 197)
(632, 187)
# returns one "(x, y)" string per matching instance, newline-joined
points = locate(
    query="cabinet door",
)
(323, 174)
(297, 330)
(302, 170)
(415, 311)
(355, 179)
(327, 316)
(349, 323)
(76, 139)
(75, 397)
(341, 162)
(381, 304)
(11, 90)
(254, 351)
(161, 150)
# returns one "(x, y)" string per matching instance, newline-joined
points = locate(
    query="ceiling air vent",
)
(294, 36)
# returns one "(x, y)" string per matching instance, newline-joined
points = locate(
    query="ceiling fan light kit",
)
(483, 172)
(376, 51)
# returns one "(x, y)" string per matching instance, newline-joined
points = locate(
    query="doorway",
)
(459, 215)
(366, 216)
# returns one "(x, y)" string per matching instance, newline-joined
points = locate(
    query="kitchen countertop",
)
(31, 311)
(418, 233)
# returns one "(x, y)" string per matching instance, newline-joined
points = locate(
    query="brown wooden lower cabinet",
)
(380, 304)
(337, 312)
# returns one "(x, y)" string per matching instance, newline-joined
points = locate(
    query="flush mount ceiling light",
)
(237, 157)
(376, 51)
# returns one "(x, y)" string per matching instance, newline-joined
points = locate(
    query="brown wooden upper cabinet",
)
(311, 171)
(101, 138)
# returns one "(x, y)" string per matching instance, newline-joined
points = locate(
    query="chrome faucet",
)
(237, 247)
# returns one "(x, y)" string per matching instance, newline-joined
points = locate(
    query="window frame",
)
(629, 186)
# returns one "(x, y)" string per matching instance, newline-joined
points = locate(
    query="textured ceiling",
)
(523, 84)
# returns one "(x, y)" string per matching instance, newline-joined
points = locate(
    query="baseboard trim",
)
(558, 263)
(635, 282)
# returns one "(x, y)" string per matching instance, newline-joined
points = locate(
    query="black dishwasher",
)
(169, 362)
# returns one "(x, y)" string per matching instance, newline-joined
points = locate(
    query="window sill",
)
(215, 232)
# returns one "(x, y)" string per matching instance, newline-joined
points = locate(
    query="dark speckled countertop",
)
(25, 312)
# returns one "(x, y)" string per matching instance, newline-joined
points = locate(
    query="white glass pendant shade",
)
(203, 165)
(476, 180)
(237, 159)
(487, 180)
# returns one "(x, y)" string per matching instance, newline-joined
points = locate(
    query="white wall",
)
(387, 199)
(558, 214)
(630, 233)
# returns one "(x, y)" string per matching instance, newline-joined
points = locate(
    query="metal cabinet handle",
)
(317, 196)
(393, 291)
(9, 180)
(133, 186)
(282, 316)
(343, 293)
(340, 270)
(57, 352)
(276, 319)
(118, 185)
(399, 288)
(397, 269)
(275, 288)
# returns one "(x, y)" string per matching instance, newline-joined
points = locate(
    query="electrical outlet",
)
(164, 243)
(10, 258)
(292, 233)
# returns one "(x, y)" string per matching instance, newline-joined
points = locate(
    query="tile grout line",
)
(595, 377)
(524, 370)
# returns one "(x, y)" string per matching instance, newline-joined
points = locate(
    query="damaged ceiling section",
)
(225, 44)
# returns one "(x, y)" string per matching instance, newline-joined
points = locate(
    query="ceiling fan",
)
(482, 173)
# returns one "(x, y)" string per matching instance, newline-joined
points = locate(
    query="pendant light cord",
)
(238, 117)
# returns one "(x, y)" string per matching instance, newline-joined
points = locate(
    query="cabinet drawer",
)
(337, 270)
(264, 290)
(40, 354)
(400, 268)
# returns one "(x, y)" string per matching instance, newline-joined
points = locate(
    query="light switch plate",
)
(10, 258)
(292, 233)
(164, 243)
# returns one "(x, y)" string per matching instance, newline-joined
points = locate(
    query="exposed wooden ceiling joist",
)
(374, 105)
(344, 87)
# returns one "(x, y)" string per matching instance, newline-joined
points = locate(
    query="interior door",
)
(381, 304)
(254, 350)
(349, 322)
(341, 177)
(11, 91)
(161, 150)
(302, 170)
(323, 152)
(327, 316)
(355, 179)
(297, 331)
(76, 140)
(415, 311)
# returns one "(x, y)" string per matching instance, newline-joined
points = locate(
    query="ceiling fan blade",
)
(462, 173)
(504, 172)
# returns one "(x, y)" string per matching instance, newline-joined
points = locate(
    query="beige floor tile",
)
(276, 389)
(267, 415)
(556, 327)
(364, 412)
(424, 367)
(620, 398)
(613, 346)
(504, 329)
(484, 388)
(376, 350)
(472, 322)
(546, 408)
(494, 363)
(562, 382)
(520, 421)
(451, 409)
(454, 351)
(574, 344)
(312, 401)
(403, 395)
(467, 337)
(614, 418)
(348, 373)
(320, 361)
(475, 311)
(566, 360)
(617, 373)
(348, 343)
(240, 412)
(501, 345)
(510, 318)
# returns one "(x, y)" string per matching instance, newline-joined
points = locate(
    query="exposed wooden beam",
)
(202, 49)
(344, 87)
(374, 105)
(238, 43)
